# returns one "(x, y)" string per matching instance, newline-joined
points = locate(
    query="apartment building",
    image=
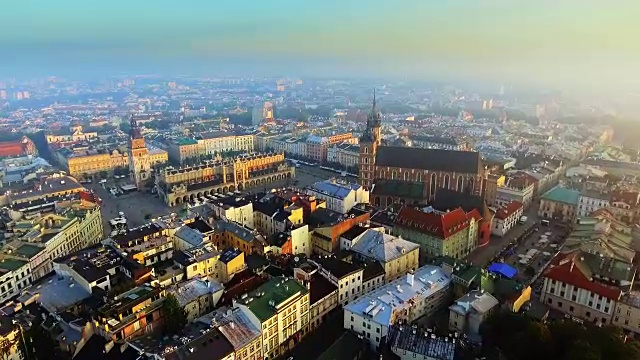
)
(323, 294)
(344, 154)
(397, 256)
(586, 286)
(15, 275)
(196, 296)
(339, 196)
(280, 307)
(403, 300)
(236, 327)
(219, 142)
(468, 312)
(506, 218)
(75, 226)
(453, 233)
(131, 314)
(592, 200)
(47, 186)
(148, 244)
(346, 276)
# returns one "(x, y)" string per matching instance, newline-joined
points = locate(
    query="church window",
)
(433, 185)
(446, 181)
(419, 177)
(394, 175)
(470, 184)
(406, 176)
(460, 185)
(366, 150)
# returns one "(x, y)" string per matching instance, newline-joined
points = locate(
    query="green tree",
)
(175, 318)
(515, 336)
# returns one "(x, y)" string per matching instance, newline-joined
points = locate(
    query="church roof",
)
(468, 162)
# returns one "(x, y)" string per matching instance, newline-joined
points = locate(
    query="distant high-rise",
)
(262, 112)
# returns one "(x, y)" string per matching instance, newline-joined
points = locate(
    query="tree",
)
(515, 336)
(175, 318)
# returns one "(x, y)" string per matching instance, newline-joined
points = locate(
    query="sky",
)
(579, 42)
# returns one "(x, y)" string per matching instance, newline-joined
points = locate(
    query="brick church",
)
(413, 175)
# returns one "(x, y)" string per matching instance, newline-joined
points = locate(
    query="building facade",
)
(453, 233)
(180, 185)
(404, 300)
(560, 204)
(280, 308)
(506, 218)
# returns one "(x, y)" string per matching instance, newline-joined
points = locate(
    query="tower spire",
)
(373, 109)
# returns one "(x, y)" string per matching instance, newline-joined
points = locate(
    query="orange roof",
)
(441, 225)
(11, 148)
(508, 210)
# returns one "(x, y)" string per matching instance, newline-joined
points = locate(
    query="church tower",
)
(139, 165)
(369, 143)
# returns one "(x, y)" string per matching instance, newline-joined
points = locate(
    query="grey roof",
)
(331, 189)
(240, 231)
(382, 247)
(468, 162)
(415, 340)
(476, 301)
(192, 236)
(49, 186)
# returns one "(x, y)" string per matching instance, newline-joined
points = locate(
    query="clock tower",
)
(369, 142)
(139, 165)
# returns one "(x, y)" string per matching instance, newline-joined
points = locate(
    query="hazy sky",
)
(558, 41)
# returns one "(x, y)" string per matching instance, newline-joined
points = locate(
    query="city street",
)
(482, 256)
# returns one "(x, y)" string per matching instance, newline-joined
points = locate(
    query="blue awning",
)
(503, 269)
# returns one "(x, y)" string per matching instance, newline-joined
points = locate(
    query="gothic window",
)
(433, 185)
(470, 184)
(394, 175)
(446, 181)
(460, 185)
(406, 176)
(419, 177)
(366, 150)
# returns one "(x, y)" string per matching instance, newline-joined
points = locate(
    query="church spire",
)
(373, 109)
(375, 118)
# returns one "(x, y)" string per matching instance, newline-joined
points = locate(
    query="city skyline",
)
(569, 44)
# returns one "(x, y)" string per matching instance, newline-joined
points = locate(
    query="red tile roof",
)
(530, 178)
(443, 226)
(563, 269)
(627, 196)
(507, 210)
(474, 214)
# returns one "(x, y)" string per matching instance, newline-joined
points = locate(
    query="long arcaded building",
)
(179, 185)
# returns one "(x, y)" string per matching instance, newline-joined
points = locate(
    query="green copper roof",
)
(562, 195)
(276, 291)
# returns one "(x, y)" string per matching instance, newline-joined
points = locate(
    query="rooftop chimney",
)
(410, 278)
